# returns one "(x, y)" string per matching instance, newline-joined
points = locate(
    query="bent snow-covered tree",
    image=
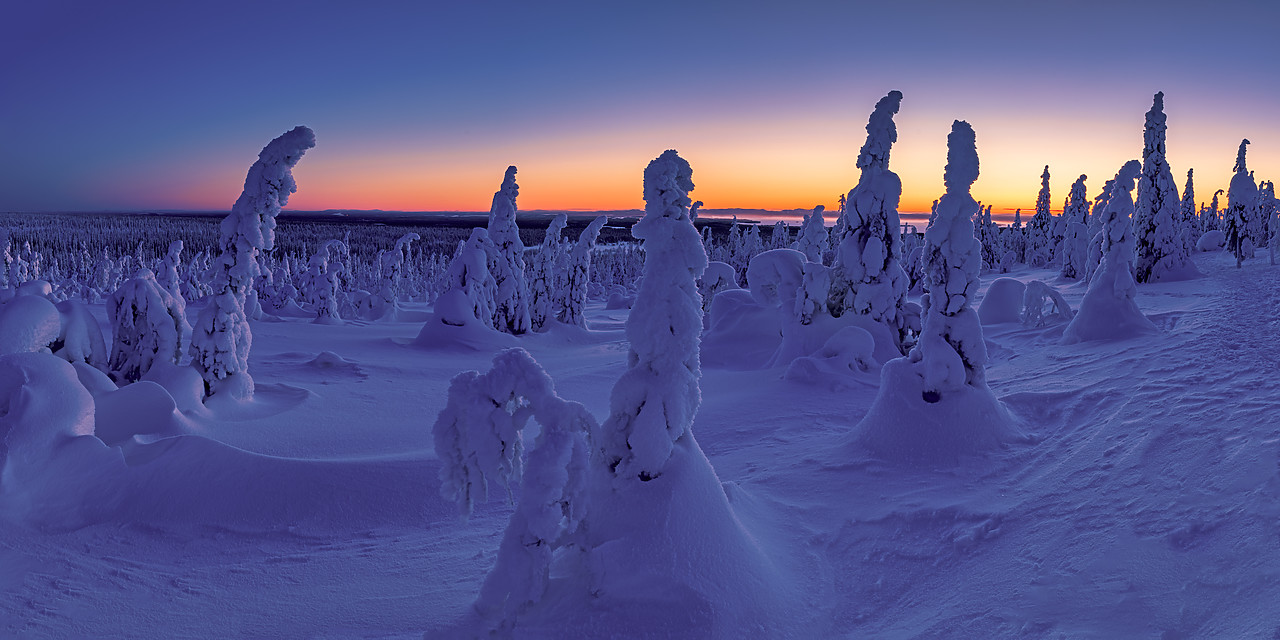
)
(867, 277)
(147, 325)
(653, 403)
(1161, 254)
(511, 298)
(221, 338)
(546, 276)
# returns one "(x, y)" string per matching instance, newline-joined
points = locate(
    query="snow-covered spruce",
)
(1189, 221)
(867, 277)
(147, 325)
(780, 236)
(813, 240)
(511, 297)
(1109, 310)
(1270, 209)
(391, 274)
(1242, 199)
(545, 278)
(1039, 250)
(573, 295)
(718, 277)
(221, 338)
(468, 300)
(322, 282)
(1161, 254)
(934, 404)
(1075, 243)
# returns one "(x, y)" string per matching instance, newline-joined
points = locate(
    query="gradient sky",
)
(421, 106)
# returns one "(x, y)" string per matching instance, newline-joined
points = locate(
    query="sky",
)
(421, 106)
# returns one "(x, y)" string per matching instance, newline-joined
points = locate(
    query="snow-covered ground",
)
(1146, 503)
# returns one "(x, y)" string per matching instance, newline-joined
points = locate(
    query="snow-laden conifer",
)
(780, 237)
(1269, 207)
(813, 240)
(545, 281)
(221, 337)
(867, 277)
(574, 292)
(653, 403)
(511, 298)
(147, 325)
(468, 297)
(1242, 198)
(1075, 243)
(391, 271)
(1109, 310)
(1039, 251)
(1189, 223)
(1161, 254)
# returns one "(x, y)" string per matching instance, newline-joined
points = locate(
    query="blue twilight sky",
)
(421, 106)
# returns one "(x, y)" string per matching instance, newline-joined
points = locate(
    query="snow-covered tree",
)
(321, 283)
(469, 284)
(1161, 255)
(147, 325)
(511, 298)
(1269, 207)
(574, 300)
(544, 285)
(1189, 224)
(1039, 251)
(780, 237)
(1075, 243)
(718, 277)
(1242, 198)
(653, 403)
(391, 270)
(1109, 310)
(221, 338)
(479, 439)
(934, 404)
(867, 277)
(812, 241)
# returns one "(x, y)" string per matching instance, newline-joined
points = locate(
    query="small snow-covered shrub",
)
(148, 323)
(1042, 303)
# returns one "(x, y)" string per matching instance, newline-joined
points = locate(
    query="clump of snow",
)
(1109, 310)
(80, 336)
(1002, 302)
(1212, 240)
(28, 324)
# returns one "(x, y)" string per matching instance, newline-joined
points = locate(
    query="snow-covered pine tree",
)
(573, 299)
(321, 284)
(1109, 310)
(1242, 198)
(391, 271)
(1268, 206)
(1161, 254)
(221, 338)
(544, 283)
(653, 403)
(1039, 250)
(812, 241)
(1075, 244)
(780, 237)
(867, 277)
(511, 298)
(468, 296)
(1189, 225)
(147, 325)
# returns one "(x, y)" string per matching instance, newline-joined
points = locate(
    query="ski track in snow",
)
(1146, 505)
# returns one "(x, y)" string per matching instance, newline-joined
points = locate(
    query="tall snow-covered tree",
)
(867, 277)
(511, 298)
(468, 297)
(1039, 251)
(1268, 206)
(391, 270)
(1242, 198)
(1109, 310)
(546, 278)
(1190, 221)
(1075, 243)
(1161, 255)
(812, 241)
(221, 338)
(573, 300)
(653, 403)
(321, 283)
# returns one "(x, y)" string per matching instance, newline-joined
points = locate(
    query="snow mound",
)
(1002, 302)
(80, 338)
(28, 323)
(453, 327)
(906, 424)
(848, 356)
(1213, 240)
(743, 334)
(140, 409)
(53, 473)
